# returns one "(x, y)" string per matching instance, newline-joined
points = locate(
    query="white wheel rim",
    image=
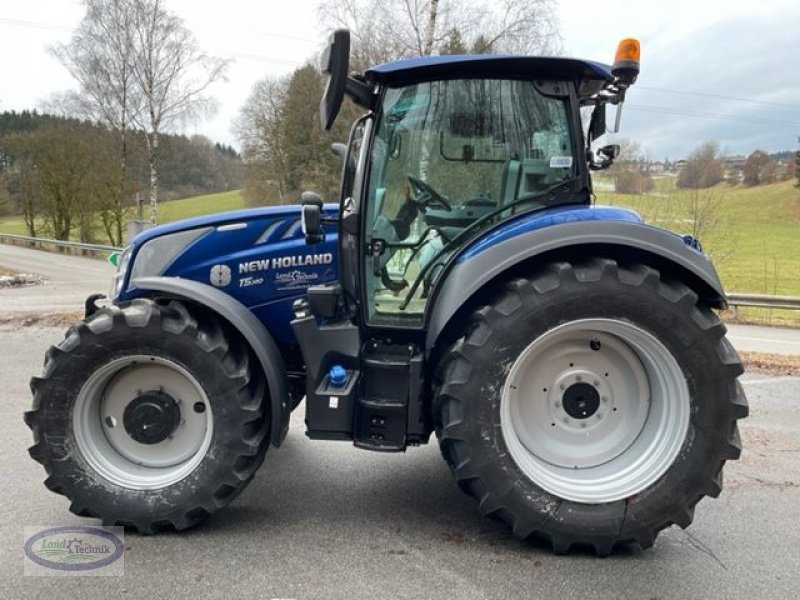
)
(595, 410)
(103, 441)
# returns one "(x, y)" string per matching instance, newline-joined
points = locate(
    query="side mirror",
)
(311, 217)
(339, 149)
(597, 124)
(605, 157)
(335, 64)
(609, 152)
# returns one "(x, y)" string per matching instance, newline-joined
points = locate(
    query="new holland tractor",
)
(567, 356)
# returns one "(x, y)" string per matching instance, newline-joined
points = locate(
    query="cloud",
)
(686, 92)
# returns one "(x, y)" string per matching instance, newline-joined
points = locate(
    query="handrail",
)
(64, 246)
(764, 301)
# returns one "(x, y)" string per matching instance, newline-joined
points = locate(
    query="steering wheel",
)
(426, 195)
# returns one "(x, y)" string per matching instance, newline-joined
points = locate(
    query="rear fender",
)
(507, 249)
(248, 326)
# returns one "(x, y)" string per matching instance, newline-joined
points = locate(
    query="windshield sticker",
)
(560, 162)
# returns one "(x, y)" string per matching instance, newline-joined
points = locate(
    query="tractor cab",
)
(451, 146)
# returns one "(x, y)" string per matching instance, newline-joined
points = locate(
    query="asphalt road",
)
(70, 279)
(765, 339)
(325, 520)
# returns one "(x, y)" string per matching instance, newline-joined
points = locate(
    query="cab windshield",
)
(447, 157)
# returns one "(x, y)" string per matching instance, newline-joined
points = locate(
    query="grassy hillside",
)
(199, 205)
(753, 233)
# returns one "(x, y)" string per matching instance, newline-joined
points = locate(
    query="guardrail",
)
(64, 247)
(764, 301)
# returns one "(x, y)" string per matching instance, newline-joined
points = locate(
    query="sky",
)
(724, 70)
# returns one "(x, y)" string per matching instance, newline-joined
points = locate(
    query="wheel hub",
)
(143, 422)
(581, 400)
(151, 417)
(594, 410)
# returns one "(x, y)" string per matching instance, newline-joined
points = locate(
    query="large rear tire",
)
(150, 416)
(592, 404)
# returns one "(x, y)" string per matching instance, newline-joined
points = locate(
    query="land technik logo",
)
(74, 550)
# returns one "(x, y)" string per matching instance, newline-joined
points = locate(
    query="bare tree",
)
(387, 29)
(365, 20)
(259, 128)
(433, 6)
(283, 146)
(57, 177)
(100, 56)
(5, 198)
(171, 73)
(517, 26)
(703, 168)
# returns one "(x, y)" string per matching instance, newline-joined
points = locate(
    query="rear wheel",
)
(591, 404)
(149, 416)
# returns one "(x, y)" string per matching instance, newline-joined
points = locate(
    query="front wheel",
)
(591, 403)
(149, 416)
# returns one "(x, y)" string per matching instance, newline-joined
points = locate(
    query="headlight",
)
(156, 255)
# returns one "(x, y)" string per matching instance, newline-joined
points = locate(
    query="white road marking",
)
(780, 379)
(761, 339)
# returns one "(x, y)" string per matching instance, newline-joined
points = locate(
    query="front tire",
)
(149, 416)
(591, 403)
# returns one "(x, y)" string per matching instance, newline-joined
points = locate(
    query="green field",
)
(752, 233)
(199, 205)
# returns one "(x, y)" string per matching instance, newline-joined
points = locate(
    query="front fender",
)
(507, 247)
(248, 326)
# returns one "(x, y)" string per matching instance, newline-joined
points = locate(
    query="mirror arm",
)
(360, 92)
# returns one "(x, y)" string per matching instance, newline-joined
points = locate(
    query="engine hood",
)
(226, 218)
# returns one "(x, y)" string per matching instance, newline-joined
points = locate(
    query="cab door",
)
(350, 244)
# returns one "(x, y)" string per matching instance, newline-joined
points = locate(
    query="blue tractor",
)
(567, 356)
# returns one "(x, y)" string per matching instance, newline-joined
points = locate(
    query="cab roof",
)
(494, 66)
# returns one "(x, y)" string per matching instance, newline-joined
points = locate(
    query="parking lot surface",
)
(325, 520)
